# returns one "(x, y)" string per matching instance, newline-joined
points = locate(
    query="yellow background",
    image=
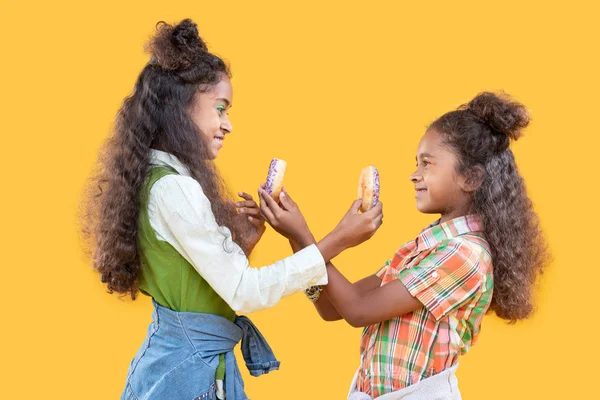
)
(330, 87)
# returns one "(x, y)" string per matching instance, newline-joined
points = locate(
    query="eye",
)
(221, 108)
(426, 163)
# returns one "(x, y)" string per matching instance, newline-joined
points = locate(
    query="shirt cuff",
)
(317, 270)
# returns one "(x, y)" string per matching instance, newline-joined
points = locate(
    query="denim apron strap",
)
(258, 356)
(257, 353)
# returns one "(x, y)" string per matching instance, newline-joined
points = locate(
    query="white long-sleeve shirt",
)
(180, 214)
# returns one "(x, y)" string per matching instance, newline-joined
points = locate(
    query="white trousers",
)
(442, 386)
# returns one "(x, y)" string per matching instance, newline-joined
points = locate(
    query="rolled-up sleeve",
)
(181, 207)
(445, 279)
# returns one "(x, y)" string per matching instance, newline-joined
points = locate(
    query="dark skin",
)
(353, 229)
(364, 302)
(360, 303)
(249, 207)
(440, 190)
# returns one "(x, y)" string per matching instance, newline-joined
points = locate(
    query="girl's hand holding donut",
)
(250, 208)
(355, 228)
(285, 217)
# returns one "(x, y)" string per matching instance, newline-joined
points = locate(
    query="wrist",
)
(330, 246)
(337, 239)
(295, 246)
(304, 240)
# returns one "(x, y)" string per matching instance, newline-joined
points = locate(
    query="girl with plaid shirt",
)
(423, 308)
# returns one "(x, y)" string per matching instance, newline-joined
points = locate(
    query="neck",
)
(456, 213)
(448, 217)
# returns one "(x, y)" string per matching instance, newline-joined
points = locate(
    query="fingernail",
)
(242, 210)
(237, 204)
(282, 194)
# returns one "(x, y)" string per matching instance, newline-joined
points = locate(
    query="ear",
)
(472, 179)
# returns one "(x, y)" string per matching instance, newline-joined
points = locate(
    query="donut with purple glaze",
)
(368, 188)
(275, 178)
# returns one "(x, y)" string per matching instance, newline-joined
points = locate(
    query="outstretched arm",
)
(363, 308)
(323, 304)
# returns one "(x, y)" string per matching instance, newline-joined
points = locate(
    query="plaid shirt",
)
(449, 269)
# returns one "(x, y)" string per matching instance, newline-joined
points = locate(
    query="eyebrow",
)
(423, 155)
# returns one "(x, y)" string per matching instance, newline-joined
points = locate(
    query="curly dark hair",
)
(155, 116)
(480, 133)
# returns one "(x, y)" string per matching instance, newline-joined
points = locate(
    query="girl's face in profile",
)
(440, 189)
(209, 113)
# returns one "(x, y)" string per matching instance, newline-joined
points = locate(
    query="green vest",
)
(166, 275)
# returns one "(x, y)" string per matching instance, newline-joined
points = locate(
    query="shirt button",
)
(435, 274)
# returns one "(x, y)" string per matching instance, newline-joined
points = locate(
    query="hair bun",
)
(500, 113)
(176, 47)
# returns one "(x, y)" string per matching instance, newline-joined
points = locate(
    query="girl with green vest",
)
(160, 222)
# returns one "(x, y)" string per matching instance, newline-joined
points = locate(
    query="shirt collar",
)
(161, 158)
(436, 232)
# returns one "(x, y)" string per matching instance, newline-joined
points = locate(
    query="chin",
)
(422, 208)
(426, 210)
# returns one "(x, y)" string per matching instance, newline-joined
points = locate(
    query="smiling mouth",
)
(420, 191)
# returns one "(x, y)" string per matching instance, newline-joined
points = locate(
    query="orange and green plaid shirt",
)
(448, 267)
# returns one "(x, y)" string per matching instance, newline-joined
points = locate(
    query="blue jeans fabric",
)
(180, 355)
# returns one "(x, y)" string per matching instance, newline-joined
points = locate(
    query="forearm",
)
(326, 309)
(323, 305)
(344, 296)
(368, 302)
(329, 247)
(340, 298)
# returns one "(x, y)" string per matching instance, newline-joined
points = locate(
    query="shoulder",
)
(480, 248)
(176, 182)
(174, 190)
(469, 251)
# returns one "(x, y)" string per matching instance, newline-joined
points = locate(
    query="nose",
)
(415, 177)
(226, 125)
